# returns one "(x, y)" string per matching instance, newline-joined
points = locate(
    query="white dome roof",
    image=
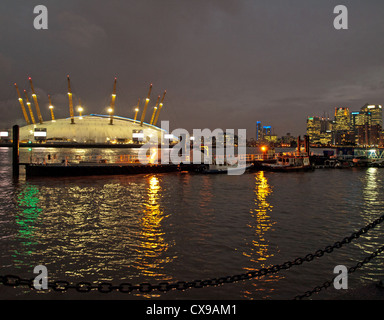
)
(92, 128)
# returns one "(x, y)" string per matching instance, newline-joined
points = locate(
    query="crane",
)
(145, 106)
(154, 110)
(137, 110)
(22, 105)
(112, 105)
(29, 107)
(35, 101)
(51, 108)
(70, 102)
(160, 106)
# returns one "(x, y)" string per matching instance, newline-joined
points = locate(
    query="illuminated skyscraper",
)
(376, 112)
(259, 131)
(267, 130)
(313, 129)
(319, 130)
(342, 119)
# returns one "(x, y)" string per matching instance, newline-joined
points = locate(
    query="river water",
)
(182, 227)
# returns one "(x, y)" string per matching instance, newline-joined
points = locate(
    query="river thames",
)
(182, 227)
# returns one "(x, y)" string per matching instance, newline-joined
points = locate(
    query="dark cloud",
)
(224, 64)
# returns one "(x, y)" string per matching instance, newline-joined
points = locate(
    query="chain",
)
(327, 284)
(61, 286)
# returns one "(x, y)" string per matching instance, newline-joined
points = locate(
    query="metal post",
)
(306, 139)
(298, 144)
(15, 152)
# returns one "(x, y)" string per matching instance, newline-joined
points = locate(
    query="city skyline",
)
(223, 64)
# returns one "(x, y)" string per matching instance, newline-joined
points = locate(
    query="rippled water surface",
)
(183, 227)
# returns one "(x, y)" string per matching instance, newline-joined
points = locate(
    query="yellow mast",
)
(29, 107)
(51, 108)
(22, 105)
(136, 110)
(154, 110)
(35, 101)
(70, 102)
(145, 106)
(112, 105)
(160, 106)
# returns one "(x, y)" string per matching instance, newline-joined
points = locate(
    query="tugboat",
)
(288, 162)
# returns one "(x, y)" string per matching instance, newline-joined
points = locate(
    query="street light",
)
(264, 150)
(80, 110)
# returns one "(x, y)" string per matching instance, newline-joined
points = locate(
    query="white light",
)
(40, 134)
(371, 107)
(192, 138)
(138, 135)
(4, 134)
(168, 136)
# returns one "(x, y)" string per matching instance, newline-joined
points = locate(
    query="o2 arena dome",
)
(91, 129)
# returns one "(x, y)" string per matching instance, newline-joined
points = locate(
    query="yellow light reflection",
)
(372, 198)
(153, 244)
(258, 250)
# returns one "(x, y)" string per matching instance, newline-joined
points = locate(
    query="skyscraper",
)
(376, 113)
(319, 130)
(342, 119)
(259, 131)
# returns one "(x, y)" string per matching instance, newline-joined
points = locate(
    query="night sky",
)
(224, 63)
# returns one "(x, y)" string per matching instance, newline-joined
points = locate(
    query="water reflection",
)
(25, 218)
(261, 223)
(153, 246)
(370, 190)
(372, 209)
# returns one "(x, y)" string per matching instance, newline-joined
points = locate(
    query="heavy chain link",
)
(84, 287)
(327, 284)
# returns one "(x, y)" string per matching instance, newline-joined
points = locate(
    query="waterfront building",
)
(267, 130)
(319, 130)
(259, 131)
(288, 139)
(376, 112)
(271, 138)
(369, 135)
(342, 119)
(367, 125)
(91, 129)
(343, 138)
(313, 129)
(326, 138)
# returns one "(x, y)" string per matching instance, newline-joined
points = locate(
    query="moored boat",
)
(288, 162)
